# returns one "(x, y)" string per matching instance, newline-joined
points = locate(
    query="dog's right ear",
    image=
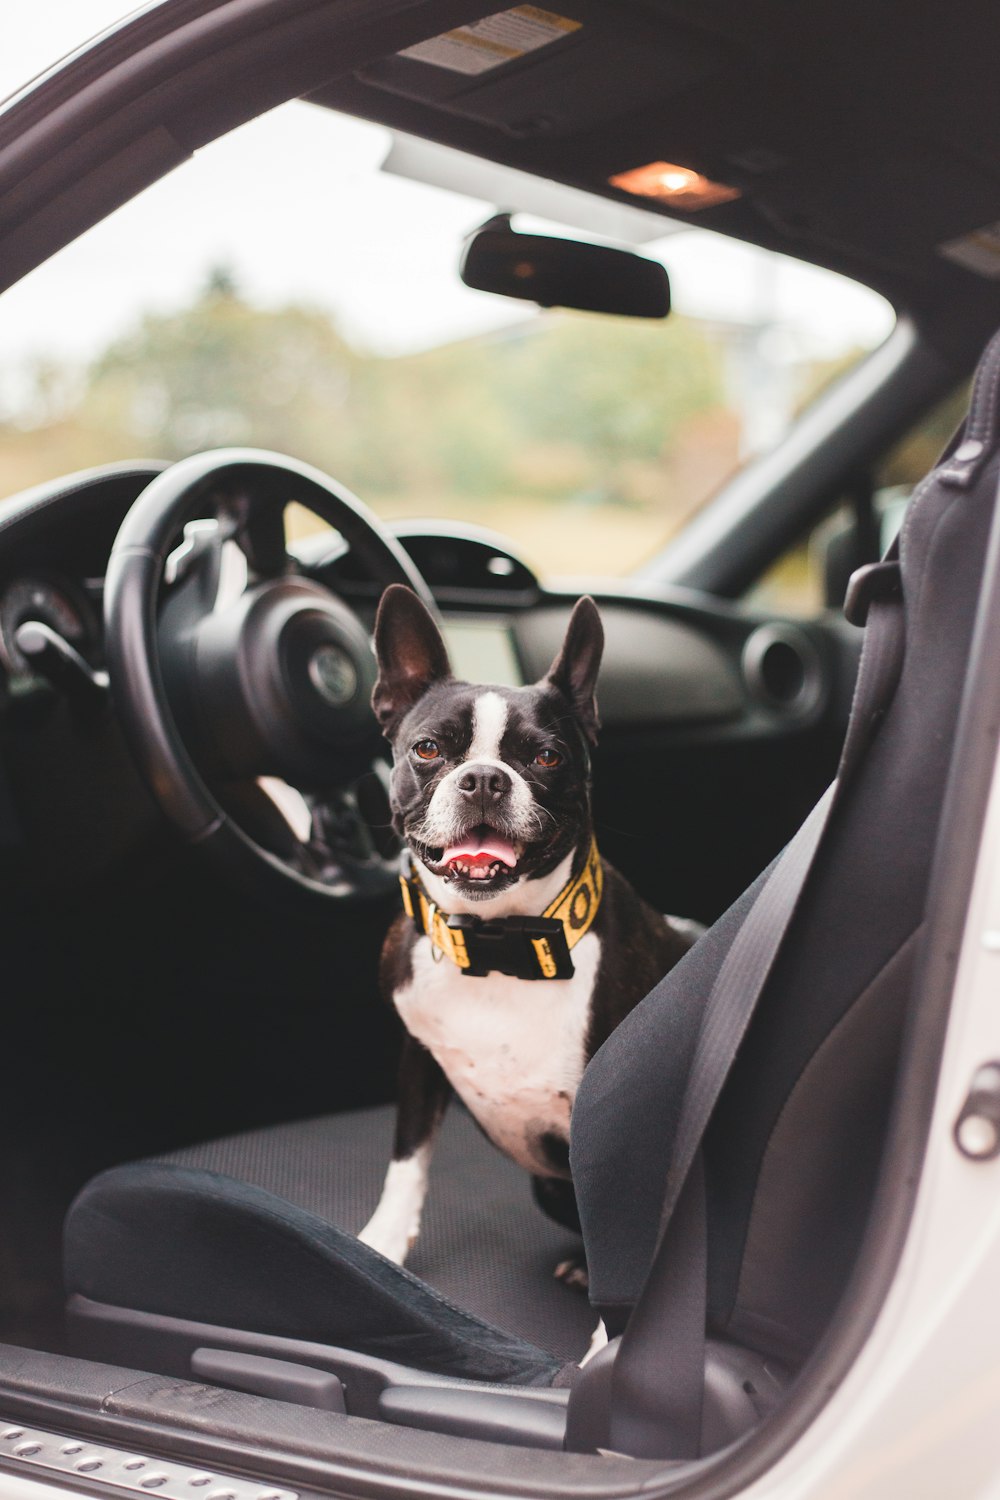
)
(574, 671)
(410, 654)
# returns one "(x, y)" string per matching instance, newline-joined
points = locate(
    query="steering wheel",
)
(241, 683)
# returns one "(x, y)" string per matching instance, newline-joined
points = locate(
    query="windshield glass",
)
(282, 290)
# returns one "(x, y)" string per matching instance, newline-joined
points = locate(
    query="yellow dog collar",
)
(526, 947)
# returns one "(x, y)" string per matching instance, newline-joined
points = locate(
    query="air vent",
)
(782, 669)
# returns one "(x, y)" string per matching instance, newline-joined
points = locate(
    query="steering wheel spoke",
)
(326, 837)
(228, 668)
(258, 527)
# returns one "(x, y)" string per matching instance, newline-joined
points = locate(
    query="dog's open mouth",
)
(480, 854)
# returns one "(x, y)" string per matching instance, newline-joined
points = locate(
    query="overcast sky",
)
(295, 203)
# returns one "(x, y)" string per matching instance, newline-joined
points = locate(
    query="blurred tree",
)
(222, 371)
(563, 404)
(566, 408)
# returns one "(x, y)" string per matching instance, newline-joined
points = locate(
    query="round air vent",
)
(781, 668)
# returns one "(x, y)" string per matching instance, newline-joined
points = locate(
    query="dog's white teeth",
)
(462, 870)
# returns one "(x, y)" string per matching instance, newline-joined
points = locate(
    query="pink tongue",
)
(481, 846)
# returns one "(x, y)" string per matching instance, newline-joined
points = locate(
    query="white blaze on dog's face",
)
(490, 785)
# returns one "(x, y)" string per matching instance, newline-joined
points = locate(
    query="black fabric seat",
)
(485, 1247)
(792, 1151)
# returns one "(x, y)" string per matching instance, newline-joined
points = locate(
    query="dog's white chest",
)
(512, 1049)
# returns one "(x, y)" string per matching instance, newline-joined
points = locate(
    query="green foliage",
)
(597, 414)
(221, 372)
(555, 407)
(558, 406)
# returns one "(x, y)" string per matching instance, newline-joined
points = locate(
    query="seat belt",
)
(653, 1381)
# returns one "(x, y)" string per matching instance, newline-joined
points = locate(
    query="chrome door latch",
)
(977, 1129)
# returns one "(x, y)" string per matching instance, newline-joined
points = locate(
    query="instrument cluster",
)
(52, 600)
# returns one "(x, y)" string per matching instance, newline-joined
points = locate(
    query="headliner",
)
(862, 136)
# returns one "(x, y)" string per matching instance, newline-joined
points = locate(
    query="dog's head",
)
(490, 785)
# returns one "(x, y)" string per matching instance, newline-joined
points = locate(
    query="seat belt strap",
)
(657, 1383)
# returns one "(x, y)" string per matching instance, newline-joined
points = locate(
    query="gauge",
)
(53, 602)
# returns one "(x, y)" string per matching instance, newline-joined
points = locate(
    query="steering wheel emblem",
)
(333, 675)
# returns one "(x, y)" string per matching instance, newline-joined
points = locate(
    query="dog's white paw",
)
(573, 1272)
(392, 1240)
(393, 1228)
(598, 1341)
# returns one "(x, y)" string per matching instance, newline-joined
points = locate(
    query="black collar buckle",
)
(524, 947)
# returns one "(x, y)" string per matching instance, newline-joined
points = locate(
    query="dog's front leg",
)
(423, 1098)
(598, 1341)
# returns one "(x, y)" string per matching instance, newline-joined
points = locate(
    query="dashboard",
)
(66, 605)
(689, 686)
(670, 659)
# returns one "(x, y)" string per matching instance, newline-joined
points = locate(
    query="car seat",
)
(237, 1261)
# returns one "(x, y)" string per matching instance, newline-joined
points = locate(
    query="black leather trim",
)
(87, 485)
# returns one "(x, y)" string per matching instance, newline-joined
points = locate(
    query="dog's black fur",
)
(528, 797)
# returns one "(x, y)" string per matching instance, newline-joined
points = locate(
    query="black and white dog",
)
(490, 790)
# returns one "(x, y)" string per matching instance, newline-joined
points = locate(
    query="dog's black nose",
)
(487, 783)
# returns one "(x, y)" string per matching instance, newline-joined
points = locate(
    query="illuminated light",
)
(679, 186)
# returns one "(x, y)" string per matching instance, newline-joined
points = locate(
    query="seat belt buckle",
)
(875, 581)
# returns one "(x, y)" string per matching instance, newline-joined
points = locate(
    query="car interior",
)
(197, 862)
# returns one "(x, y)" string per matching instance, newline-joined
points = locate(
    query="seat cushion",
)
(257, 1231)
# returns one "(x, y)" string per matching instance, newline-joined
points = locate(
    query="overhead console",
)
(703, 114)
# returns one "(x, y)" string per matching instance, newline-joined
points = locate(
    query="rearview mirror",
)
(563, 273)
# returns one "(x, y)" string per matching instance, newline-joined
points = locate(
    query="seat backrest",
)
(793, 1149)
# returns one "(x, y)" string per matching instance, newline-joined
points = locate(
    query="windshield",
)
(283, 290)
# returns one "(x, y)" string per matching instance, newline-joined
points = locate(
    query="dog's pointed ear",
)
(574, 671)
(410, 654)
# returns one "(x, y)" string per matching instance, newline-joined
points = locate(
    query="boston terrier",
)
(520, 949)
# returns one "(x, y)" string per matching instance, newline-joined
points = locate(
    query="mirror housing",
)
(563, 273)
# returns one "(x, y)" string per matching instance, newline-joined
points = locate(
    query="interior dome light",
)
(678, 186)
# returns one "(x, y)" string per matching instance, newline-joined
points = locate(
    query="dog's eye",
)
(547, 758)
(427, 749)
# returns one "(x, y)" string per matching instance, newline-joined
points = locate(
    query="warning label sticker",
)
(978, 251)
(481, 45)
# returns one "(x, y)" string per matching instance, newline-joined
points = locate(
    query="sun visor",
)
(537, 72)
